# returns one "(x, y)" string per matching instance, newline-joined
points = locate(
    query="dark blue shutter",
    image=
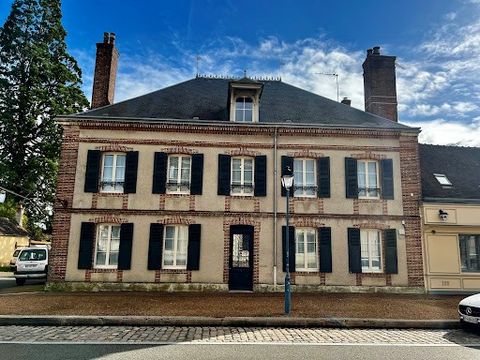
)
(196, 185)
(287, 161)
(125, 250)
(351, 178)
(131, 169)
(386, 173)
(92, 171)
(155, 247)
(194, 236)
(291, 240)
(391, 262)
(323, 177)
(224, 164)
(159, 173)
(260, 175)
(325, 249)
(87, 239)
(354, 251)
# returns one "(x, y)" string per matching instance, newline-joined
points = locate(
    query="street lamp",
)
(287, 183)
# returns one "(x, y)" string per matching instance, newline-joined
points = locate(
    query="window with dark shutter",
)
(224, 164)
(131, 169)
(87, 238)
(196, 185)
(125, 250)
(194, 235)
(291, 253)
(155, 247)
(287, 161)
(159, 173)
(260, 174)
(92, 172)
(386, 173)
(351, 180)
(354, 251)
(323, 177)
(391, 262)
(325, 249)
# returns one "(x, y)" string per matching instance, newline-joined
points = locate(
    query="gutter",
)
(275, 189)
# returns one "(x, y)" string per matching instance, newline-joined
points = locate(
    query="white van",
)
(32, 263)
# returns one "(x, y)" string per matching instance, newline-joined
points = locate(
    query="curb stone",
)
(290, 322)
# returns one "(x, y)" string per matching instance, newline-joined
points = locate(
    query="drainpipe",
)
(275, 143)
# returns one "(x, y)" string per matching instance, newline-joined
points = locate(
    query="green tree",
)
(38, 81)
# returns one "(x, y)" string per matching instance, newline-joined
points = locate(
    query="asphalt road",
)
(234, 351)
(7, 281)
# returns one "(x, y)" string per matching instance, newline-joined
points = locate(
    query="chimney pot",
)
(376, 50)
(369, 52)
(346, 101)
(105, 72)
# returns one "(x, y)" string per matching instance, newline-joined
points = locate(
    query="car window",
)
(33, 255)
(15, 253)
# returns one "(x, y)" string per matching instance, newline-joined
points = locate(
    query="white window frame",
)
(244, 110)
(109, 242)
(368, 233)
(304, 178)
(114, 171)
(305, 267)
(175, 247)
(367, 195)
(178, 189)
(242, 192)
(443, 177)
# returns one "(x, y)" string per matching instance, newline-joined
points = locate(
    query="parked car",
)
(14, 258)
(32, 263)
(469, 311)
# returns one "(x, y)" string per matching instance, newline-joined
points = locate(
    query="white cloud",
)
(445, 132)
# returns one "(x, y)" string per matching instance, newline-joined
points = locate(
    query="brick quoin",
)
(61, 218)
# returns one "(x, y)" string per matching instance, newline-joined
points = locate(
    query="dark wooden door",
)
(241, 257)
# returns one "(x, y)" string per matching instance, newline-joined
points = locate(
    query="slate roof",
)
(10, 228)
(207, 99)
(461, 165)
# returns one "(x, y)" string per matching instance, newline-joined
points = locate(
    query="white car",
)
(32, 263)
(469, 310)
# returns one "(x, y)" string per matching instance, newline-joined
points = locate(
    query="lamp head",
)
(287, 178)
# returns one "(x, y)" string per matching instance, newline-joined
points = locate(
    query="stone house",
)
(12, 236)
(180, 188)
(451, 218)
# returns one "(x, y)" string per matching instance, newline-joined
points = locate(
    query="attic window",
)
(244, 109)
(442, 179)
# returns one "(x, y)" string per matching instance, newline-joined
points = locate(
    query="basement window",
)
(442, 179)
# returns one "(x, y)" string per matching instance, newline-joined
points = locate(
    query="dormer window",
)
(244, 109)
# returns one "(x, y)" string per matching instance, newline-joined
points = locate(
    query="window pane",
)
(310, 166)
(372, 175)
(108, 161)
(173, 169)
(114, 245)
(101, 257)
(185, 176)
(121, 160)
(115, 232)
(107, 174)
(113, 260)
(239, 115)
(312, 261)
(168, 258)
(361, 178)
(248, 116)
(470, 252)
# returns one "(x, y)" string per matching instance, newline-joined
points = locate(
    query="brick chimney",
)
(346, 101)
(105, 72)
(380, 85)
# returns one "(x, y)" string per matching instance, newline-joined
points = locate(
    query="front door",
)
(241, 257)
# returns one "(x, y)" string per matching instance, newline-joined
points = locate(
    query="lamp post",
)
(287, 183)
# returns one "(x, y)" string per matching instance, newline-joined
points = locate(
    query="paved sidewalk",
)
(230, 335)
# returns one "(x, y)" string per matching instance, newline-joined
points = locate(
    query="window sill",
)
(305, 196)
(105, 267)
(174, 267)
(369, 198)
(365, 271)
(111, 192)
(241, 195)
(307, 270)
(178, 192)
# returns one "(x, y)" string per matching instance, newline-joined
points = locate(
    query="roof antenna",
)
(245, 73)
(198, 58)
(336, 79)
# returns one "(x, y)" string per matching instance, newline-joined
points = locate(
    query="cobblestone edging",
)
(290, 322)
(209, 334)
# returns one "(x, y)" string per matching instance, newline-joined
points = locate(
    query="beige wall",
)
(7, 247)
(442, 250)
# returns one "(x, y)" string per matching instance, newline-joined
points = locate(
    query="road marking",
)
(475, 345)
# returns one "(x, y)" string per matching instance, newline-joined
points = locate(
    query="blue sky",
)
(437, 43)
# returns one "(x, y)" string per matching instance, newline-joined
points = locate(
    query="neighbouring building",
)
(180, 188)
(451, 217)
(12, 236)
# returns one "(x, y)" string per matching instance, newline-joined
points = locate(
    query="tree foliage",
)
(38, 81)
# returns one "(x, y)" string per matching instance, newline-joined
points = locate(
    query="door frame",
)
(242, 229)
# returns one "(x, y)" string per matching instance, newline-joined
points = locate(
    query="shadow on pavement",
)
(465, 337)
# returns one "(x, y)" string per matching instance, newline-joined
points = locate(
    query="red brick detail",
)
(191, 203)
(161, 202)
(120, 276)
(305, 153)
(368, 155)
(388, 280)
(293, 278)
(356, 207)
(384, 207)
(242, 151)
(113, 146)
(88, 275)
(358, 279)
(322, 279)
(299, 221)
(61, 220)
(106, 63)
(125, 201)
(411, 197)
(94, 200)
(320, 206)
(228, 203)
(157, 276)
(256, 205)
(189, 277)
(180, 150)
(227, 222)
(108, 219)
(176, 220)
(372, 225)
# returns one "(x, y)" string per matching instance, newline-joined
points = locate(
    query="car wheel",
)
(20, 282)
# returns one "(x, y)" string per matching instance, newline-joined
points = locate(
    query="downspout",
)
(275, 143)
